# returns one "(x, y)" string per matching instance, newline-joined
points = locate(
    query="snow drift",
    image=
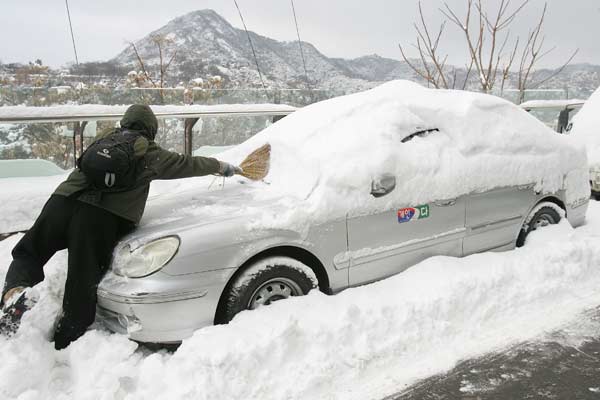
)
(363, 343)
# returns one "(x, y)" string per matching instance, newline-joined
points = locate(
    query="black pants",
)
(90, 233)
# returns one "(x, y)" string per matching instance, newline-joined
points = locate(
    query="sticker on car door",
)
(409, 214)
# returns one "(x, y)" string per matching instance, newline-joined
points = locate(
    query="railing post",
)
(81, 130)
(187, 135)
(75, 131)
(78, 129)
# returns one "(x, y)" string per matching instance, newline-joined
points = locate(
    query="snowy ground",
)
(367, 342)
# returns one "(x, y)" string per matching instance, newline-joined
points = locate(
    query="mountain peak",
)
(206, 19)
(205, 14)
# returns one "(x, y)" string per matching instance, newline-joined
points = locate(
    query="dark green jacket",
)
(158, 164)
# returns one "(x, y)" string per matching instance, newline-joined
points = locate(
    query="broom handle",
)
(213, 181)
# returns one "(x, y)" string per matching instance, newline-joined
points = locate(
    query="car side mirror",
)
(383, 185)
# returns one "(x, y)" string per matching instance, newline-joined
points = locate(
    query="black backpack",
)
(110, 164)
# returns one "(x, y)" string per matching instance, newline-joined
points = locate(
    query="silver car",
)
(172, 277)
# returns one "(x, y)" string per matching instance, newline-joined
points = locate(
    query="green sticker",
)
(423, 211)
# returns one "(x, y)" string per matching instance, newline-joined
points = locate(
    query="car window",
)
(420, 133)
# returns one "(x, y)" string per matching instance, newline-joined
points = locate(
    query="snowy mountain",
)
(581, 80)
(376, 68)
(207, 44)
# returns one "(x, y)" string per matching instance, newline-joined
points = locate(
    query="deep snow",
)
(362, 343)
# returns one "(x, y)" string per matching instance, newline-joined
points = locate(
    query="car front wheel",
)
(268, 281)
(543, 215)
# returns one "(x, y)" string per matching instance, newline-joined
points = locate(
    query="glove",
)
(228, 170)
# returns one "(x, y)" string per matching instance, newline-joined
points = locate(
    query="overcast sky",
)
(31, 29)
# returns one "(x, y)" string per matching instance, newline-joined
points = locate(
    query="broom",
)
(256, 166)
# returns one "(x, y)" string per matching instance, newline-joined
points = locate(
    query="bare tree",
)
(485, 39)
(162, 44)
(491, 48)
(532, 53)
(432, 64)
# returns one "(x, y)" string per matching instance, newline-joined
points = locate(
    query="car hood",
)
(172, 213)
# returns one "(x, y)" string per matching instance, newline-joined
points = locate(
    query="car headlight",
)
(146, 259)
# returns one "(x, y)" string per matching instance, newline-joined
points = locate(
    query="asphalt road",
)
(560, 365)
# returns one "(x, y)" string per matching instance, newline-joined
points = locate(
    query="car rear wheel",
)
(268, 281)
(539, 218)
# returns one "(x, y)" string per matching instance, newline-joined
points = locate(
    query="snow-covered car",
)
(28, 168)
(361, 187)
(585, 129)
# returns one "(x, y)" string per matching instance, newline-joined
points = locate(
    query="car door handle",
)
(526, 187)
(445, 203)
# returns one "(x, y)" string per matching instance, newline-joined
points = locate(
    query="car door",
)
(494, 217)
(389, 242)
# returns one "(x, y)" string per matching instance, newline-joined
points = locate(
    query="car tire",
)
(542, 216)
(267, 281)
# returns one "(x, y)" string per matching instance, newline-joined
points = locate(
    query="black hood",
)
(140, 117)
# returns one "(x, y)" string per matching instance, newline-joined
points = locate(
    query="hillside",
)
(207, 44)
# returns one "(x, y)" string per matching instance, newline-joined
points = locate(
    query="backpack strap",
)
(140, 147)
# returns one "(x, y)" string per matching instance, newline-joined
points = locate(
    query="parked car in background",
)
(361, 187)
(557, 114)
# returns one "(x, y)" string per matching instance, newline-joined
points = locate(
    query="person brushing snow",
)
(102, 200)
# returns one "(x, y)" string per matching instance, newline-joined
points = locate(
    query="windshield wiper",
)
(421, 133)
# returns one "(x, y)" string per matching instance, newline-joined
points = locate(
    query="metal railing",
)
(82, 115)
(47, 96)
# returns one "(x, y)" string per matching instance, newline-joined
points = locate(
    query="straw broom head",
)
(256, 165)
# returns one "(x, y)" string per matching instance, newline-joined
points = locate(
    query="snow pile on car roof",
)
(329, 152)
(586, 127)
(364, 343)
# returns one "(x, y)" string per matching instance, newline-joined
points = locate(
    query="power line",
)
(71, 28)
(251, 45)
(300, 44)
